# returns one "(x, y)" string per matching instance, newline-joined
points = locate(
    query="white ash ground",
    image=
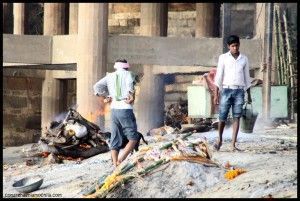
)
(269, 156)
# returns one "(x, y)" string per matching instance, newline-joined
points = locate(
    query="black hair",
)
(122, 60)
(233, 39)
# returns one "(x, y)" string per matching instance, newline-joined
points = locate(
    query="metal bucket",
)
(248, 119)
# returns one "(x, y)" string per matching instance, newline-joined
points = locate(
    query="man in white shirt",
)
(120, 87)
(232, 80)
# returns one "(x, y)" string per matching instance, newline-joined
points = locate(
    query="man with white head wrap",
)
(120, 88)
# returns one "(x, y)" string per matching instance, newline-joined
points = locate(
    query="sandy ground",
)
(269, 156)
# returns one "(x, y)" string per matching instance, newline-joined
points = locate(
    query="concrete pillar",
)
(19, 10)
(150, 104)
(92, 58)
(51, 91)
(54, 18)
(226, 24)
(73, 18)
(51, 99)
(205, 22)
(154, 19)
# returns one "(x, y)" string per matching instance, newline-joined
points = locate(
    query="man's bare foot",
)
(119, 162)
(234, 148)
(217, 146)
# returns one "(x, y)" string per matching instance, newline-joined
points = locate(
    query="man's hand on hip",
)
(107, 99)
(130, 98)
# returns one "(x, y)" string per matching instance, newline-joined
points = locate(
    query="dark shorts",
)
(123, 126)
(231, 98)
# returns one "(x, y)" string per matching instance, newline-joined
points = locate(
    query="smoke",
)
(75, 106)
(262, 123)
(60, 117)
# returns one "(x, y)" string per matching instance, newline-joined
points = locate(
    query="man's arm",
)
(219, 79)
(100, 87)
(130, 88)
(216, 96)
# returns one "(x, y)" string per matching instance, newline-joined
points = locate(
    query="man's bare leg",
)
(221, 126)
(114, 156)
(128, 148)
(235, 130)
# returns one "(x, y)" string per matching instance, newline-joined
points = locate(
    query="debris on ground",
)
(176, 179)
(149, 158)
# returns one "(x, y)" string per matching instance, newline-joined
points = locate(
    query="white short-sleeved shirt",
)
(126, 85)
(232, 72)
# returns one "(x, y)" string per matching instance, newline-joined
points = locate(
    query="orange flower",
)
(231, 174)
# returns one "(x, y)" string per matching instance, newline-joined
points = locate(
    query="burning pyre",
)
(74, 137)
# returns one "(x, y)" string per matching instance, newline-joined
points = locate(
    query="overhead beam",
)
(156, 69)
(66, 67)
(37, 73)
(19, 72)
(168, 51)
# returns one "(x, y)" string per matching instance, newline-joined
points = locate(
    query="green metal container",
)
(279, 101)
(199, 101)
(248, 118)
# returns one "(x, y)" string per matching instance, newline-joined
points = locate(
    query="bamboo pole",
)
(289, 51)
(281, 45)
(278, 63)
(290, 65)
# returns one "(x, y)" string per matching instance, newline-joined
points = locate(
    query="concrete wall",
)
(124, 18)
(22, 108)
(243, 19)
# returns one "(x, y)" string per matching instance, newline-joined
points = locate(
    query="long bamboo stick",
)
(278, 64)
(290, 63)
(289, 50)
(284, 67)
